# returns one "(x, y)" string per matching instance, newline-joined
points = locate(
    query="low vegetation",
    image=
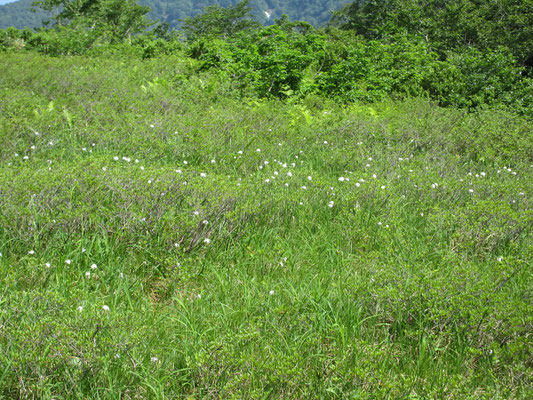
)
(263, 214)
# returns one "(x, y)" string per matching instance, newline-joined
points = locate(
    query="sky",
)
(6, 1)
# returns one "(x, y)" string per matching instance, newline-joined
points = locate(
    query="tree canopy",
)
(116, 18)
(446, 24)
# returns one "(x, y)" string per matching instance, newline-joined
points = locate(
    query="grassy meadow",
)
(163, 238)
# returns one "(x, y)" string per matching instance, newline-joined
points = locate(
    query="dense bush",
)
(293, 59)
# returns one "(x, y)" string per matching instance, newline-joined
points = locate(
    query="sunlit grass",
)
(180, 242)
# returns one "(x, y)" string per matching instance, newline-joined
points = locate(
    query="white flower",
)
(203, 174)
(239, 152)
(205, 222)
(309, 178)
(434, 185)
(104, 169)
(88, 274)
(83, 250)
(267, 180)
(31, 252)
(48, 265)
(258, 150)
(149, 181)
(94, 266)
(341, 179)
(115, 158)
(121, 275)
(325, 142)
(178, 171)
(304, 187)
(500, 259)
(383, 187)
(68, 262)
(105, 308)
(84, 149)
(154, 359)
(185, 162)
(289, 173)
(80, 308)
(357, 184)
(471, 190)
(271, 293)
(207, 240)
(213, 161)
(379, 223)
(330, 204)
(142, 168)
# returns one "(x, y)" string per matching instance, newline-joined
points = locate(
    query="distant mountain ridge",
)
(316, 12)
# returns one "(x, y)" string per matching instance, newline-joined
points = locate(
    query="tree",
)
(446, 24)
(217, 21)
(116, 19)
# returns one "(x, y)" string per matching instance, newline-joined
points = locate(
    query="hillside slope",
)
(316, 12)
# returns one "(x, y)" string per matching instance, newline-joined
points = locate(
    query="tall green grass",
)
(161, 239)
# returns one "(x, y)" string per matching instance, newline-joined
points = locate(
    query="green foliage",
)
(372, 70)
(115, 20)
(220, 22)
(472, 77)
(447, 25)
(271, 61)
